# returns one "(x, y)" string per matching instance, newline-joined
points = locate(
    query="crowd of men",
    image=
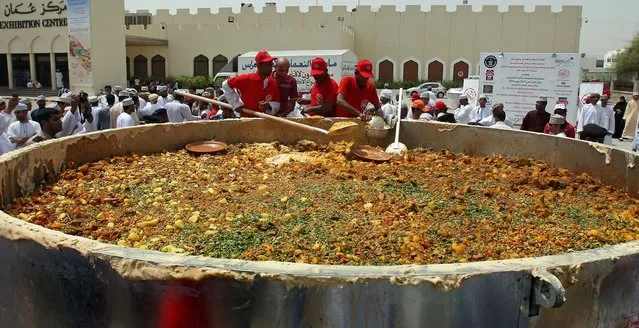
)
(270, 89)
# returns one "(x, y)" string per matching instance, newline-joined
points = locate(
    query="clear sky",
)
(611, 23)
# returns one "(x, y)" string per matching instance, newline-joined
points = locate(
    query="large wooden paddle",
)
(337, 128)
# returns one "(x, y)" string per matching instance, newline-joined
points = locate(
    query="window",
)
(158, 67)
(128, 67)
(411, 69)
(139, 67)
(201, 66)
(219, 62)
(435, 71)
(137, 19)
(460, 70)
(385, 70)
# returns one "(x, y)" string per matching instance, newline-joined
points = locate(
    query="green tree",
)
(628, 61)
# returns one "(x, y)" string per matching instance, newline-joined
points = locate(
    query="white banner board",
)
(471, 90)
(518, 79)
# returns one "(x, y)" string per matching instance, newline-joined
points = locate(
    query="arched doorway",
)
(140, 67)
(385, 69)
(219, 62)
(460, 70)
(411, 71)
(201, 66)
(158, 67)
(436, 71)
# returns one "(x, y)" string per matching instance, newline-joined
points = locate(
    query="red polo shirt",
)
(252, 91)
(356, 96)
(324, 93)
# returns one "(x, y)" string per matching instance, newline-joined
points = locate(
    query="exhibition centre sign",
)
(34, 15)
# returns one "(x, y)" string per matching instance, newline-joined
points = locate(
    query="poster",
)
(80, 63)
(470, 89)
(518, 79)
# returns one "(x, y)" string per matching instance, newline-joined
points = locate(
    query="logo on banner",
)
(562, 100)
(490, 61)
(471, 94)
(564, 73)
(490, 74)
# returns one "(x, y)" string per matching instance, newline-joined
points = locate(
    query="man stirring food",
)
(256, 91)
(323, 91)
(356, 92)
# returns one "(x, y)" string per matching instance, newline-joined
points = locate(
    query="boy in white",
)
(125, 119)
(23, 129)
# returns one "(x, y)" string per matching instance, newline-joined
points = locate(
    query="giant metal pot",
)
(49, 279)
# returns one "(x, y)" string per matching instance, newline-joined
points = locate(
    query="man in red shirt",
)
(323, 91)
(256, 91)
(356, 93)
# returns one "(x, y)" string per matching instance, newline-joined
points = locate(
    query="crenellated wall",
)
(419, 34)
(379, 33)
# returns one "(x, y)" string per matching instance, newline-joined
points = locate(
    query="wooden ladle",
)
(339, 128)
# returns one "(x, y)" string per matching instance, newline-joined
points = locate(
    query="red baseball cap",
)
(440, 106)
(263, 57)
(365, 68)
(318, 66)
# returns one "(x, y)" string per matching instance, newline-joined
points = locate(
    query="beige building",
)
(408, 45)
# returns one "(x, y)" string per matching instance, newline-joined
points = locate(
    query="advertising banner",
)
(79, 24)
(471, 90)
(518, 79)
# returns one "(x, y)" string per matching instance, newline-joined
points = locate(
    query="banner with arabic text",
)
(80, 63)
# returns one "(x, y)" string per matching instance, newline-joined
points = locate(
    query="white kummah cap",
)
(127, 102)
(605, 97)
(54, 106)
(123, 94)
(462, 97)
(144, 89)
(635, 93)
(117, 88)
(560, 106)
(93, 99)
(41, 98)
(25, 101)
(161, 88)
(386, 94)
(63, 99)
(20, 107)
(132, 91)
(557, 119)
(482, 97)
(425, 95)
(153, 97)
(542, 99)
